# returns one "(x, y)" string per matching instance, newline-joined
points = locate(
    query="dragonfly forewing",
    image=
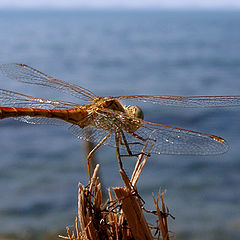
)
(190, 101)
(26, 74)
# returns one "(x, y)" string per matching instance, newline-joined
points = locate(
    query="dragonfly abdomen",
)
(7, 112)
(73, 116)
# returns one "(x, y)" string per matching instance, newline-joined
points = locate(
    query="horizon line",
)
(235, 8)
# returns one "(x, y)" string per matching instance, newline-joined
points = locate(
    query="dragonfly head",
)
(135, 111)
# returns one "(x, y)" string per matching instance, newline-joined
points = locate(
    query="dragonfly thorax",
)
(135, 111)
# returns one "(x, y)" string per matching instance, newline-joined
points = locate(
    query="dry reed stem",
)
(121, 218)
(141, 163)
(162, 215)
(133, 213)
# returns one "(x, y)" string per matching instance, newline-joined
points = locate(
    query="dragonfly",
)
(105, 120)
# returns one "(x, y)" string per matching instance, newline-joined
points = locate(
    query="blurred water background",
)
(120, 53)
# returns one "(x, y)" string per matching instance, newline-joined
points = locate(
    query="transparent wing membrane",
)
(26, 74)
(13, 99)
(170, 140)
(89, 134)
(41, 120)
(193, 101)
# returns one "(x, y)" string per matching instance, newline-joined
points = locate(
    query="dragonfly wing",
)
(92, 134)
(192, 101)
(14, 99)
(171, 140)
(26, 74)
(41, 120)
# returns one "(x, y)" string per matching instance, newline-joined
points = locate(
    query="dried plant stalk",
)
(121, 218)
(133, 214)
(162, 215)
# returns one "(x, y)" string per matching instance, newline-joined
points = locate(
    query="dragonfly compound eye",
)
(135, 111)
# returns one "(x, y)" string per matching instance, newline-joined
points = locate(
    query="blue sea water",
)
(120, 53)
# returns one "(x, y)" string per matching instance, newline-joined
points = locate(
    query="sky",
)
(205, 4)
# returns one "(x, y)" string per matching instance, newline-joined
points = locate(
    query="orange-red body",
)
(71, 115)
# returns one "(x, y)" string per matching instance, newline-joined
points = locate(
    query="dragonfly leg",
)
(93, 151)
(139, 137)
(118, 140)
(118, 137)
(126, 144)
(131, 143)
